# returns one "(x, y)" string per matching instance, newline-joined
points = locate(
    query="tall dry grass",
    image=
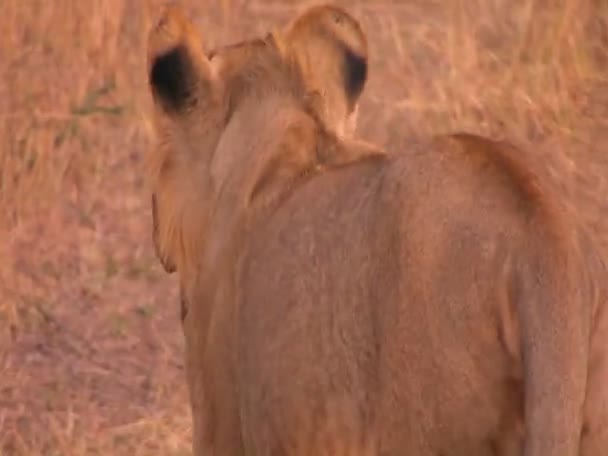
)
(74, 89)
(90, 347)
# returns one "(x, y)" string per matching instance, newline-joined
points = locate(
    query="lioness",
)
(340, 301)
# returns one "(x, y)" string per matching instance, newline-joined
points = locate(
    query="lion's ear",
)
(179, 72)
(330, 48)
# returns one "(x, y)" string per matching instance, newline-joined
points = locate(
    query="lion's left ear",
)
(330, 48)
(179, 72)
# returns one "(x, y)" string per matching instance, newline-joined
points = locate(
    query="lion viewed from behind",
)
(337, 300)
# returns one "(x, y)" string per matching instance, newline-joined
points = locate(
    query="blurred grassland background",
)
(90, 340)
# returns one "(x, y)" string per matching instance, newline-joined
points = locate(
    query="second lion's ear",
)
(330, 48)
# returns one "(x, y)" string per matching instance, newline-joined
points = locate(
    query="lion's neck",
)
(267, 147)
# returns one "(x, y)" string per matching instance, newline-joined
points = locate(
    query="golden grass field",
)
(90, 339)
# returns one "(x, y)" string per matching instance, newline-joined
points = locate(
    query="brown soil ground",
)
(90, 340)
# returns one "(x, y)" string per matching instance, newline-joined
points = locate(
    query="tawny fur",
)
(339, 301)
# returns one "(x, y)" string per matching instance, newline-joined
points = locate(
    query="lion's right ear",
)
(179, 72)
(330, 48)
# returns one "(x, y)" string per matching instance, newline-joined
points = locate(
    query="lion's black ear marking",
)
(183, 307)
(355, 75)
(172, 78)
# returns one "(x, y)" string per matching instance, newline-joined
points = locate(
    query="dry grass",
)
(90, 345)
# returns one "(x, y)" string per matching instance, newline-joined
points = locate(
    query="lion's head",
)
(296, 88)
